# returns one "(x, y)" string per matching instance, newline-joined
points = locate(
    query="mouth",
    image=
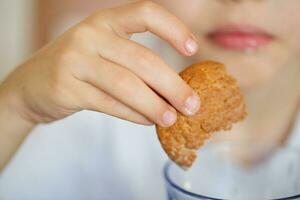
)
(239, 37)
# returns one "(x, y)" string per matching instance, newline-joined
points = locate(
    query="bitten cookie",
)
(222, 104)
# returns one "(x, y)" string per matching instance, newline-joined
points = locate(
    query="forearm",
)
(13, 128)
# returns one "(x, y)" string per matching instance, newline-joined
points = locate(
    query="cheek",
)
(293, 41)
(289, 29)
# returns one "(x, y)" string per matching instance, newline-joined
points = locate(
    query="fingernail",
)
(191, 46)
(169, 118)
(192, 104)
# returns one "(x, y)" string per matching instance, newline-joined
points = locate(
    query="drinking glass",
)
(220, 173)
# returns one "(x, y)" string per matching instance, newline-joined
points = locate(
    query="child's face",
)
(255, 39)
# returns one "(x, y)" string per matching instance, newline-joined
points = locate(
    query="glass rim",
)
(168, 164)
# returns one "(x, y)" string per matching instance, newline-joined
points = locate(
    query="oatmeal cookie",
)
(222, 104)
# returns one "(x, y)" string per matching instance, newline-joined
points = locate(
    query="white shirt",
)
(87, 156)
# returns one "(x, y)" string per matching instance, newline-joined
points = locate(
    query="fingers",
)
(131, 73)
(152, 70)
(148, 16)
(95, 99)
(127, 88)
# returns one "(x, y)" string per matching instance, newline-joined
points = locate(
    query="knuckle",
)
(147, 8)
(101, 101)
(64, 57)
(122, 80)
(142, 53)
(108, 100)
(101, 16)
(82, 32)
(144, 57)
(112, 103)
(148, 67)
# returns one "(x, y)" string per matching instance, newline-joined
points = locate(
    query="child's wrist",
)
(12, 112)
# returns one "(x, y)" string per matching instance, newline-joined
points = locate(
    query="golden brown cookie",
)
(222, 104)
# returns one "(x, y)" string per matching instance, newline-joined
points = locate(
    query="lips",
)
(240, 37)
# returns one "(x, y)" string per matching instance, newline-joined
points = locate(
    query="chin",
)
(251, 73)
(250, 76)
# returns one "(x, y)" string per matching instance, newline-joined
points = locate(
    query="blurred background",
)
(28, 25)
(17, 28)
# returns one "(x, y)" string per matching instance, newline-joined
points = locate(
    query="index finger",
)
(148, 16)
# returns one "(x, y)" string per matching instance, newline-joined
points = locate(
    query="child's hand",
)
(95, 66)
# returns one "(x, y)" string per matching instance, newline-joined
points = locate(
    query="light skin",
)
(95, 66)
(269, 76)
